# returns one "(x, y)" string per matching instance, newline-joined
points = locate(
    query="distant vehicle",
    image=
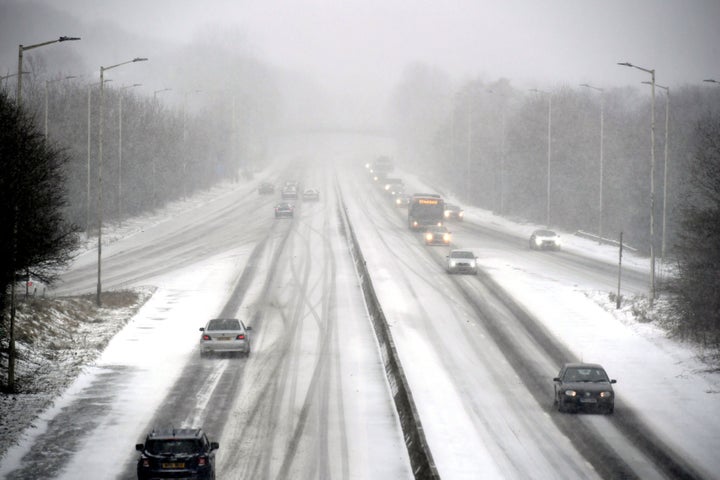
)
(176, 453)
(284, 210)
(425, 210)
(225, 335)
(289, 192)
(544, 240)
(437, 236)
(381, 166)
(454, 212)
(266, 188)
(584, 386)
(402, 200)
(391, 185)
(311, 194)
(462, 261)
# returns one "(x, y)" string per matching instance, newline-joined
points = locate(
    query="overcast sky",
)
(528, 41)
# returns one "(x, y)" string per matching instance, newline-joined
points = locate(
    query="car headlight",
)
(461, 214)
(446, 238)
(605, 394)
(428, 237)
(538, 241)
(447, 213)
(452, 263)
(570, 393)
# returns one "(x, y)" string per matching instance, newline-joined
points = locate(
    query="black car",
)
(284, 209)
(584, 386)
(176, 453)
(266, 188)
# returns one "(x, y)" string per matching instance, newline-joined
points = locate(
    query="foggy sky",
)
(357, 42)
(356, 50)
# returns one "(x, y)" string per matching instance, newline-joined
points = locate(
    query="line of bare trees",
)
(487, 143)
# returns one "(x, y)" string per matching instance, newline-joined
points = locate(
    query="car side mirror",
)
(214, 446)
(613, 381)
(556, 379)
(202, 329)
(139, 447)
(248, 327)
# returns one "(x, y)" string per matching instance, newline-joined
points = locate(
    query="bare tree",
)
(35, 238)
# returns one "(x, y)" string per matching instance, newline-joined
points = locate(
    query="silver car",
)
(222, 335)
(462, 261)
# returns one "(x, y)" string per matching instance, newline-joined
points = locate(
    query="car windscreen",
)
(462, 255)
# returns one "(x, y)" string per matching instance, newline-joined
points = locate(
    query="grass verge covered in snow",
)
(56, 338)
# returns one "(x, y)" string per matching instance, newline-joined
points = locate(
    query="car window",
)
(176, 446)
(585, 375)
(463, 255)
(214, 325)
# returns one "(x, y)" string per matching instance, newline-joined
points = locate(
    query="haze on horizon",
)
(355, 51)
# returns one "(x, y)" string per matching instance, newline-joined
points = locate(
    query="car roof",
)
(172, 432)
(582, 365)
(460, 250)
(543, 231)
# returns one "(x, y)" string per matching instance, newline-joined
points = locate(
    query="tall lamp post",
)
(22, 48)
(665, 166)
(602, 142)
(549, 151)
(153, 166)
(100, 160)
(47, 82)
(120, 116)
(652, 176)
(89, 132)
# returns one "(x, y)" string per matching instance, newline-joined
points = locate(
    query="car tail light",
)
(240, 337)
(202, 461)
(206, 337)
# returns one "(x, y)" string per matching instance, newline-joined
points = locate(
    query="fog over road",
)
(312, 401)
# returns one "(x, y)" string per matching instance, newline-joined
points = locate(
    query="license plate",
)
(588, 400)
(173, 465)
(223, 338)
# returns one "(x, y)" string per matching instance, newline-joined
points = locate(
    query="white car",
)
(544, 240)
(462, 261)
(311, 194)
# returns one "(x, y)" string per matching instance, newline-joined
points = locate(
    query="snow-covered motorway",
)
(311, 401)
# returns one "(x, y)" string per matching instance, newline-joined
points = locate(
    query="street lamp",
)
(549, 151)
(665, 166)
(120, 103)
(22, 48)
(602, 141)
(652, 176)
(100, 152)
(47, 82)
(152, 163)
(89, 131)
